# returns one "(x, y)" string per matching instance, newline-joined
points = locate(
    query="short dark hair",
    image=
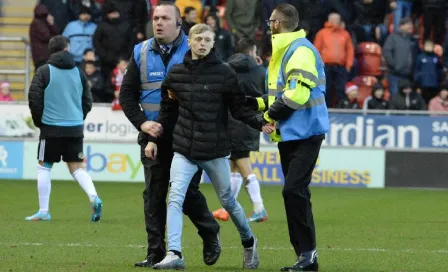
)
(169, 3)
(88, 50)
(244, 45)
(187, 10)
(290, 16)
(58, 43)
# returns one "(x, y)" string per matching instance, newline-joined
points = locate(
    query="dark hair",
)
(290, 16)
(123, 58)
(91, 62)
(88, 50)
(168, 3)
(244, 45)
(85, 10)
(187, 10)
(58, 43)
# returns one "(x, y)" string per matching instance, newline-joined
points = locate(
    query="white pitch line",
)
(410, 250)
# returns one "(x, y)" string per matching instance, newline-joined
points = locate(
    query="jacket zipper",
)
(192, 114)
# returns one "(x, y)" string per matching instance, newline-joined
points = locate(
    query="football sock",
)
(253, 189)
(248, 243)
(177, 253)
(85, 181)
(43, 188)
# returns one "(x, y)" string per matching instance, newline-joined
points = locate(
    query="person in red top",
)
(5, 94)
(336, 48)
(116, 79)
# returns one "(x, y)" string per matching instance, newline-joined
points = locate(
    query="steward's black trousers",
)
(157, 177)
(298, 159)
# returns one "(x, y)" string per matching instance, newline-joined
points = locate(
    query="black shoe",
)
(212, 250)
(146, 263)
(307, 262)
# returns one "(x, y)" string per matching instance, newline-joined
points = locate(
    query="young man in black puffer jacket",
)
(199, 94)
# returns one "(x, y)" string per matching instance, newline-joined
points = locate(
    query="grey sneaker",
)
(251, 256)
(171, 261)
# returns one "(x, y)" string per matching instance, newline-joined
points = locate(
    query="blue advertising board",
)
(386, 131)
(11, 160)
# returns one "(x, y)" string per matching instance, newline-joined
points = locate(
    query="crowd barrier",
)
(362, 149)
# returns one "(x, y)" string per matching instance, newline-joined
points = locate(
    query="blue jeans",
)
(182, 170)
(369, 31)
(403, 10)
(394, 83)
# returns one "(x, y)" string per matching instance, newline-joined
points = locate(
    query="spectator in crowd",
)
(94, 7)
(189, 19)
(428, 71)
(62, 10)
(223, 39)
(370, 15)
(42, 29)
(243, 17)
(5, 94)
(80, 33)
(336, 48)
(407, 98)
(434, 16)
(196, 4)
(96, 82)
(376, 101)
(440, 102)
(117, 77)
(401, 9)
(88, 55)
(399, 51)
(351, 101)
(135, 13)
(112, 39)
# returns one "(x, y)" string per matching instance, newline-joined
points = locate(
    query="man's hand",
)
(151, 151)
(268, 128)
(152, 128)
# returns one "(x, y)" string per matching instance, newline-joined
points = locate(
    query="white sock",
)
(43, 188)
(253, 189)
(85, 181)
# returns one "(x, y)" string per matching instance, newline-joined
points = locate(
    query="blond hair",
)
(199, 29)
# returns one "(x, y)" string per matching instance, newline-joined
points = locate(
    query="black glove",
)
(251, 103)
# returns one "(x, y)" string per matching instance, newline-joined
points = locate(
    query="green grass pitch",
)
(357, 229)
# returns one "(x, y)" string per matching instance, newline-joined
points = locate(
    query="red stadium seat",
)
(368, 56)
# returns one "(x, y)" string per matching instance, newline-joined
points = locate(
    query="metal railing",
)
(26, 71)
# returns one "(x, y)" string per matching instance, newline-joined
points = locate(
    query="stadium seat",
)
(369, 56)
(365, 84)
